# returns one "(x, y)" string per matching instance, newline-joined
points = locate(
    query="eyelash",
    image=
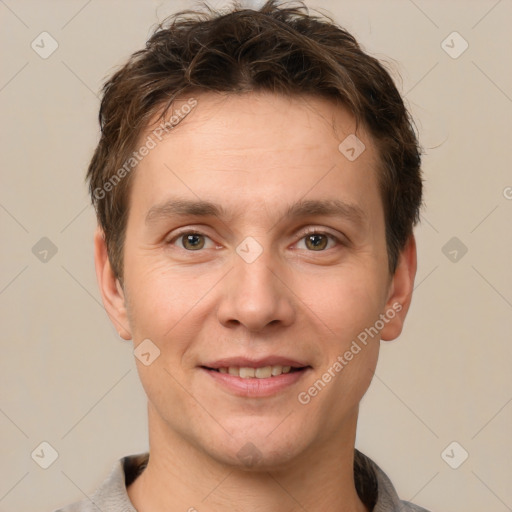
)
(315, 231)
(303, 235)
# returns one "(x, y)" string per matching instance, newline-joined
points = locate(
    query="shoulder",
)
(385, 497)
(410, 507)
(112, 496)
(79, 506)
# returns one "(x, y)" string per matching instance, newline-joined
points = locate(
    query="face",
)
(255, 261)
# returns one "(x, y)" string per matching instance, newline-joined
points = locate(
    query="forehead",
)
(265, 146)
(291, 118)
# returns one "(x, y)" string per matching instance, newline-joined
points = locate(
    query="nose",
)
(256, 295)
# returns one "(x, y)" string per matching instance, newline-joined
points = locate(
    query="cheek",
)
(171, 305)
(344, 302)
(160, 297)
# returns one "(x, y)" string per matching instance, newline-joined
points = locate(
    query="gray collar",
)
(374, 488)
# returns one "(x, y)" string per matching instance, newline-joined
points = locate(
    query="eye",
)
(318, 241)
(191, 241)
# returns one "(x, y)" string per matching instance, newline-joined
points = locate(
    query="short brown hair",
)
(279, 49)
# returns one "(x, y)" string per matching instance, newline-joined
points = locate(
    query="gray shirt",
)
(373, 486)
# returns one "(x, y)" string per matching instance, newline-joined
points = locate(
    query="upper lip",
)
(246, 362)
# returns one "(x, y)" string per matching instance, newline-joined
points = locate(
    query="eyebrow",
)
(328, 208)
(184, 207)
(303, 208)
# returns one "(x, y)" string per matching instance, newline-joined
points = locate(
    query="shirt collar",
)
(373, 486)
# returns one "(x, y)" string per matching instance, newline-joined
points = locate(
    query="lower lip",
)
(254, 387)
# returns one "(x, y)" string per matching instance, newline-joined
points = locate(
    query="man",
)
(256, 184)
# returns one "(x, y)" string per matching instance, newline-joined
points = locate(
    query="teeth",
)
(277, 370)
(263, 372)
(245, 373)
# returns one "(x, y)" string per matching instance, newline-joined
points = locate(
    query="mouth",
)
(257, 379)
(261, 372)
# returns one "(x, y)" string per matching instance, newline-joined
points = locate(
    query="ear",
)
(111, 290)
(400, 291)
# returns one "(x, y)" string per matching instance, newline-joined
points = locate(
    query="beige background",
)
(67, 379)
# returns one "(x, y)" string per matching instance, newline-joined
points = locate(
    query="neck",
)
(179, 477)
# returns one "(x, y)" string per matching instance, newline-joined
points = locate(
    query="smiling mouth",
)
(263, 372)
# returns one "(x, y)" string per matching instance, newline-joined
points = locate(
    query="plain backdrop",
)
(69, 381)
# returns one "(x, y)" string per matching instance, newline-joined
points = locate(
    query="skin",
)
(255, 154)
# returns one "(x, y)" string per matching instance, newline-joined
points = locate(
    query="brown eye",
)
(192, 241)
(316, 242)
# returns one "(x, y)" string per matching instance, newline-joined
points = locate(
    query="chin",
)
(259, 449)
(253, 458)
